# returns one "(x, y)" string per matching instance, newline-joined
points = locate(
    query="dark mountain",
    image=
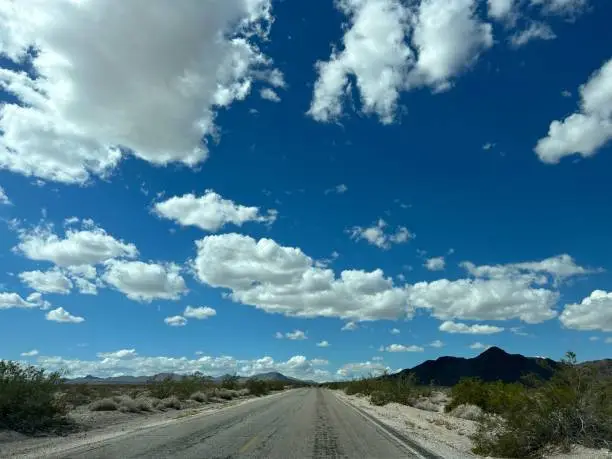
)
(494, 364)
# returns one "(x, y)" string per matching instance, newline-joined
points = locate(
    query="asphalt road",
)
(302, 423)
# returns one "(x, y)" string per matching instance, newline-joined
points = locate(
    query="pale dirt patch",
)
(441, 433)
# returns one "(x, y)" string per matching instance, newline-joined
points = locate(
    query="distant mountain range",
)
(126, 379)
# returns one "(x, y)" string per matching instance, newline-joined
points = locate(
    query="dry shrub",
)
(105, 404)
(465, 411)
(170, 402)
(199, 396)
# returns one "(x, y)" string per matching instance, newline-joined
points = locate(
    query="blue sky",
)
(399, 180)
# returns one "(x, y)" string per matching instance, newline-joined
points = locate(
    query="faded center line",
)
(248, 444)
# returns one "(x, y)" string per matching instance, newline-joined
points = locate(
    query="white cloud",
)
(446, 34)
(52, 281)
(323, 344)
(176, 321)
(296, 335)
(566, 93)
(478, 345)
(477, 329)
(349, 326)
(158, 97)
(110, 365)
(145, 281)
(500, 9)
(435, 264)
(360, 369)
(284, 280)
(402, 348)
(587, 130)
(559, 268)
(339, 189)
(85, 287)
(437, 343)
(375, 53)
(608, 340)
(32, 353)
(395, 331)
(488, 146)
(535, 31)
(377, 358)
(120, 354)
(593, 313)
(279, 335)
(200, 313)
(319, 362)
(484, 299)
(63, 316)
(3, 197)
(210, 212)
(375, 235)
(449, 38)
(13, 300)
(88, 246)
(269, 94)
(593, 338)
(571, 8)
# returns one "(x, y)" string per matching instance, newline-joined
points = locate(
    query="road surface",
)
(301, 423)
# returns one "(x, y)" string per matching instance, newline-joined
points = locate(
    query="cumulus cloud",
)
(559, 268)
(375, 53)
(395, 331)
(146, 282)
(159, 96)
(349, 326)
(269, 94)
(87, 246)
(485, 299)
(63, 316)
(52, 281)
(200, 313)
(120, 354)
(435, 264)
(284, 280)
(14, 300)
(176, 321)
(210, 211)
(32, 353)
(446, 38)
(437, 343)
(587, 130)
(479, 345)
(116, 364)
(476, 329)
(592, 313)
(449, 38)
(338, 189)
(500, 9)
(296, 335)
(323, 344)
(3, 197)
(359, 369)
(535, 31)
(571, 8)
(376, 235)
(402, 348)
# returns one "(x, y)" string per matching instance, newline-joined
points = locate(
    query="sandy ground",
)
(441, 433)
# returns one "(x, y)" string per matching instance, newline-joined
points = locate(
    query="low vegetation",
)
(33, 400)
(524, 419)
(29, 399)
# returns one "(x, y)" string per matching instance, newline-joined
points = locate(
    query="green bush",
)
(380, 398)
(574, 407)
(199, 397)
(29, 399)
(257, 387)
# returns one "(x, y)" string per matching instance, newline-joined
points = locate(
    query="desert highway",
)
(301, 423)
